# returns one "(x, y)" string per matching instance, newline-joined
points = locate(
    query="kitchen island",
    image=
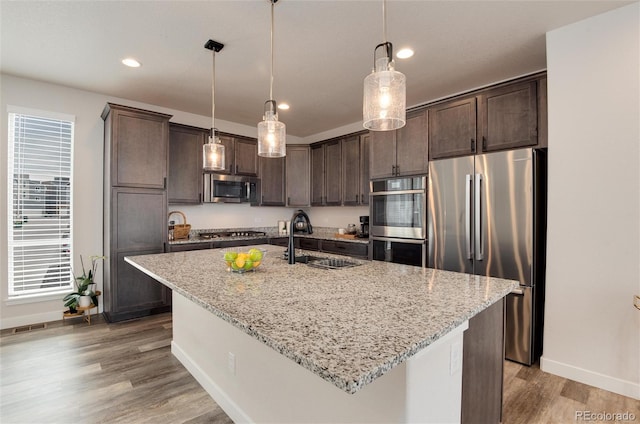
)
(291, 343)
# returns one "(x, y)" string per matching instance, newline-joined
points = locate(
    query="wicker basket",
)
(180, 231)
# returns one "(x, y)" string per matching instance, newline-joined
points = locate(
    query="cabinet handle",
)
(164, 183)
(397, 169)
(288, 200)
(473, 145)
(236, 168)
(393, 170)
(484, 143)
(356, 198)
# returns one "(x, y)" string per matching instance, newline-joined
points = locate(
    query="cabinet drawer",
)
(345, 248)
(188, 246)
(309, 244)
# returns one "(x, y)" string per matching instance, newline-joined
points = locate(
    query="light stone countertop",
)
(349, 326)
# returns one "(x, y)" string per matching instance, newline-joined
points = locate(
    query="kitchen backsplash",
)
(229, 215)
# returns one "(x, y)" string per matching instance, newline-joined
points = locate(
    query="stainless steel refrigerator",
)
(487, 216)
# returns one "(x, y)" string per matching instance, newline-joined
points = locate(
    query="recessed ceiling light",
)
(283, 106)
(404, 53)
(131, 62)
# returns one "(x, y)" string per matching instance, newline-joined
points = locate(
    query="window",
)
(39, 203)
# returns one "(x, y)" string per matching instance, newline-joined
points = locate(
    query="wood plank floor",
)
(125, 373)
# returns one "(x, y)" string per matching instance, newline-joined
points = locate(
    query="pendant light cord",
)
(384, 20)
(271, 82)
(213, 92)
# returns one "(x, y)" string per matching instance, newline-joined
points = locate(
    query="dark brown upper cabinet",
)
(355, 170)
(508, 117)
(452, 129)
(241, 155)
(138, 149)
(185, 163)
(403, 151)
(297, 175)
(272, 178)
(326, 173)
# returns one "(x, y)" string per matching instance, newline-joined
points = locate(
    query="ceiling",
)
(323, 50)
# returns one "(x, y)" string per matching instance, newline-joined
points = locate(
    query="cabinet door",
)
(185, 164)
(333, 173)
(297, 163)
(138, 225)
(412, 146)
(452, 129)
(229, 155)
(351, 164)
(139, 219)
(365, 147)
(134, 294)
(246, 157)
(272, 177)
(509, 117)
(382, 154)
(317, 175)
(139, 148)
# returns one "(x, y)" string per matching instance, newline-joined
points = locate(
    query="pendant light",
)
(385, 89)
(272, 136)
(213, 155)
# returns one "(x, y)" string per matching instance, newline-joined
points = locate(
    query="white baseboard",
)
(219, 396)
(601, 381)
(23, 320)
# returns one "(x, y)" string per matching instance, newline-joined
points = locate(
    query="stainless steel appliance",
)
(219, 188)
(487, 216)
(397, 221)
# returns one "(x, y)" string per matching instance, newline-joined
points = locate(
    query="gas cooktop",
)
(239, 233)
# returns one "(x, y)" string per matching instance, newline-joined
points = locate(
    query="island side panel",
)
(265, 386)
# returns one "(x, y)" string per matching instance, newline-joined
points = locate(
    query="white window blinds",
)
(39, 202)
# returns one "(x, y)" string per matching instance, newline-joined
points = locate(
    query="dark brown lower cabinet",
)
(135, 224)
(482, 366)
(136, 294)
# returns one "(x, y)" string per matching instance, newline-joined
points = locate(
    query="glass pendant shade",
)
(272, 134)
(384, 102)
(213, 155)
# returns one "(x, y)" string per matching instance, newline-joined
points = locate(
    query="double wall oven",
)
(398, 219)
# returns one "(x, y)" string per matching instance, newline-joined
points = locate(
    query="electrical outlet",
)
(231, 363)
(455, 364)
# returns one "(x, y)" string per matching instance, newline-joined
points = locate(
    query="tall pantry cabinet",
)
(136, 146)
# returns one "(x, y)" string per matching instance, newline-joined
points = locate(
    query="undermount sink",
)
(332, 263)
(324, 262)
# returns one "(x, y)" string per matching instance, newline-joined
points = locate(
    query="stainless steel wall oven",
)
(397, 223)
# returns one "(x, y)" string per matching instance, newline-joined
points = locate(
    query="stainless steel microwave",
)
(219, 188)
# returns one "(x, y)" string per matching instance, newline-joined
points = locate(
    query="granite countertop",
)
(349, 326)
(323, 233)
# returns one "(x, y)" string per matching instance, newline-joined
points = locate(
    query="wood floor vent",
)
(28, 328)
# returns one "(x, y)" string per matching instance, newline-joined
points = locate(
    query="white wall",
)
(87, 193)
(592, 330)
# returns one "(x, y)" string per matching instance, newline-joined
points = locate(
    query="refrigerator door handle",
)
(517, 291)
(478, 219)
(467, 215)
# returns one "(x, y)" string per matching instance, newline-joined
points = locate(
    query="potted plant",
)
(85, 294)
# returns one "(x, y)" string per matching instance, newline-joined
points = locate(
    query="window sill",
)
(36, 298)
